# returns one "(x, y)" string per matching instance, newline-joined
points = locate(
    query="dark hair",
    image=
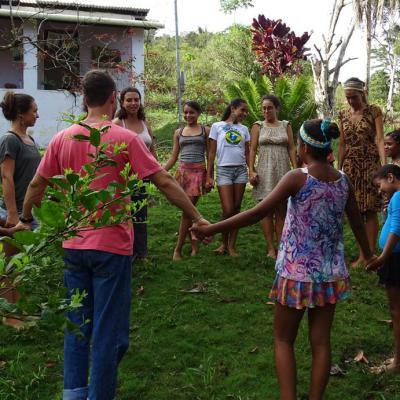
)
(313, 129)
(395, 135)
(122, 114)
(193, 104)
(387, 169)
(15, 103)
(234, 103)
(273, 99)
(97, 87)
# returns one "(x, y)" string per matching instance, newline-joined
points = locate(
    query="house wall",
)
(52, 103)
(11, 71)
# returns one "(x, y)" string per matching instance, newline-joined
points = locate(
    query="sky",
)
(302, 16)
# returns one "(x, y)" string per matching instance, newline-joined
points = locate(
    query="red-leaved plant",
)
(278, 49)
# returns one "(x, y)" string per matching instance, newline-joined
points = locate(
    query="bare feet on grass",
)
(271, 253)
(388, 367)
(177, 256)
(233, 253)
(220, 250)
(358, 263)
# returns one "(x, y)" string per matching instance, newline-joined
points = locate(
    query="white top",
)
(144, 135)
(231, 143)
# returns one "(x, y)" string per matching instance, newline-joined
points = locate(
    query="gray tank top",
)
(192, 148)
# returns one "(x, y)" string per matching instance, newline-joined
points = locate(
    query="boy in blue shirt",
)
(388, 263)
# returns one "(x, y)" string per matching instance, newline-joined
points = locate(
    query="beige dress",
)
(273, 158)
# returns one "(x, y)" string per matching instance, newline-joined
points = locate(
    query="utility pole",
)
(178, 66)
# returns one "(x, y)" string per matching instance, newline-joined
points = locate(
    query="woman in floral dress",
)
(361, 153)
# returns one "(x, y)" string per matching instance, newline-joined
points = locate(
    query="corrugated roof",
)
(140, 12)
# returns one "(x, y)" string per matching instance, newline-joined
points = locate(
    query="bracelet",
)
(25, 220)
(194, 220)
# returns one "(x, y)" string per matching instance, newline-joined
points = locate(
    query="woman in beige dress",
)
(276, 151)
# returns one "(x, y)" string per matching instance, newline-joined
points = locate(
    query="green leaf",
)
(26, 237)
(60, 181)
(50, 213)
(94, 137)
(72, 178)
(82, 138)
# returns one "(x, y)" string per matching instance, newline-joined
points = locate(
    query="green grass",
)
(213, 345)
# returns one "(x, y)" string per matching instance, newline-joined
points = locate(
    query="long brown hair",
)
(121, 113)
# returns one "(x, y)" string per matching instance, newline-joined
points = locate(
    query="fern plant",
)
(295, 94)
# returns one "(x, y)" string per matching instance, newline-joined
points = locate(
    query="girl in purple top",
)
(311, 272)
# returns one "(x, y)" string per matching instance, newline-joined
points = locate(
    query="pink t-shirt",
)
(64, 152)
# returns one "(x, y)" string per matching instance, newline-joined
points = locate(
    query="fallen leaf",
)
(336, 370)
(140, 291)
(386, 321)
(50, 363)
(228, 299)
(360, 357)
(354, 287)
(255, 350)
(197, 288)
(2, 364)
(269, 303)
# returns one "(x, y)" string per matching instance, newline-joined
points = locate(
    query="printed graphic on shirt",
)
(233, 136)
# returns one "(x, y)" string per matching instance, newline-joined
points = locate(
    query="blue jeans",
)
(103, 320)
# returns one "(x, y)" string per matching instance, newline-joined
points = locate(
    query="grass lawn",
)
(211, 345)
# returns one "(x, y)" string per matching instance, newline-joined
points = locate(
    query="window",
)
(60, 60)
(103, 57)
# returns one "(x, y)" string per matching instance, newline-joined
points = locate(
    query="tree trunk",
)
(368, 18)
(324, 86)
(389, 104)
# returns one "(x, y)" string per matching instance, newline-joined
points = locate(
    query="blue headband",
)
(313, 142)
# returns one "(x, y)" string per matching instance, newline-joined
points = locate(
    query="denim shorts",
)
(231, 174)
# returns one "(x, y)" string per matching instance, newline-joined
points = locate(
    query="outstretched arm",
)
(288, 186)
(34, 195)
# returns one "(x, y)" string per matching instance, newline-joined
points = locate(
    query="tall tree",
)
(387, 55)
(325, 70)
(229, 6)
(368, 13)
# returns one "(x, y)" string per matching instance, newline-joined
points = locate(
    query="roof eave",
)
(82, 19)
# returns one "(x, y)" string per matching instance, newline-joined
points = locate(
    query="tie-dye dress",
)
(310, 266)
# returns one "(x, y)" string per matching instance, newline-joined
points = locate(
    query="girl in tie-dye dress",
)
(311, 271)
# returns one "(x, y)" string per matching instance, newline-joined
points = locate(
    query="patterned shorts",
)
(192, 178)
(298, 295)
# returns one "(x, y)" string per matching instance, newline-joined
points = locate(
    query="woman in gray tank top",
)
(190, 145)
(132, 117)
(19, 155)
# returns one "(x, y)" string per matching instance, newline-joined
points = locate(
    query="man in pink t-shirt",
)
(99, 261)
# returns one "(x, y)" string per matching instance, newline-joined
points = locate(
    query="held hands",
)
(200, 230)
(12, 219)
(209, 184)
(253, 178)
(374, 263)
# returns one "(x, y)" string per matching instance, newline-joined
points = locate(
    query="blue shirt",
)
(392, 223)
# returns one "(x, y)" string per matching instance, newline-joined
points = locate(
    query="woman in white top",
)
(229, 142)
(131, 116)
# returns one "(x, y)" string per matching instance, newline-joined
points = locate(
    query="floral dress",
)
(310, 266)
(273, 158)
(361, 159)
